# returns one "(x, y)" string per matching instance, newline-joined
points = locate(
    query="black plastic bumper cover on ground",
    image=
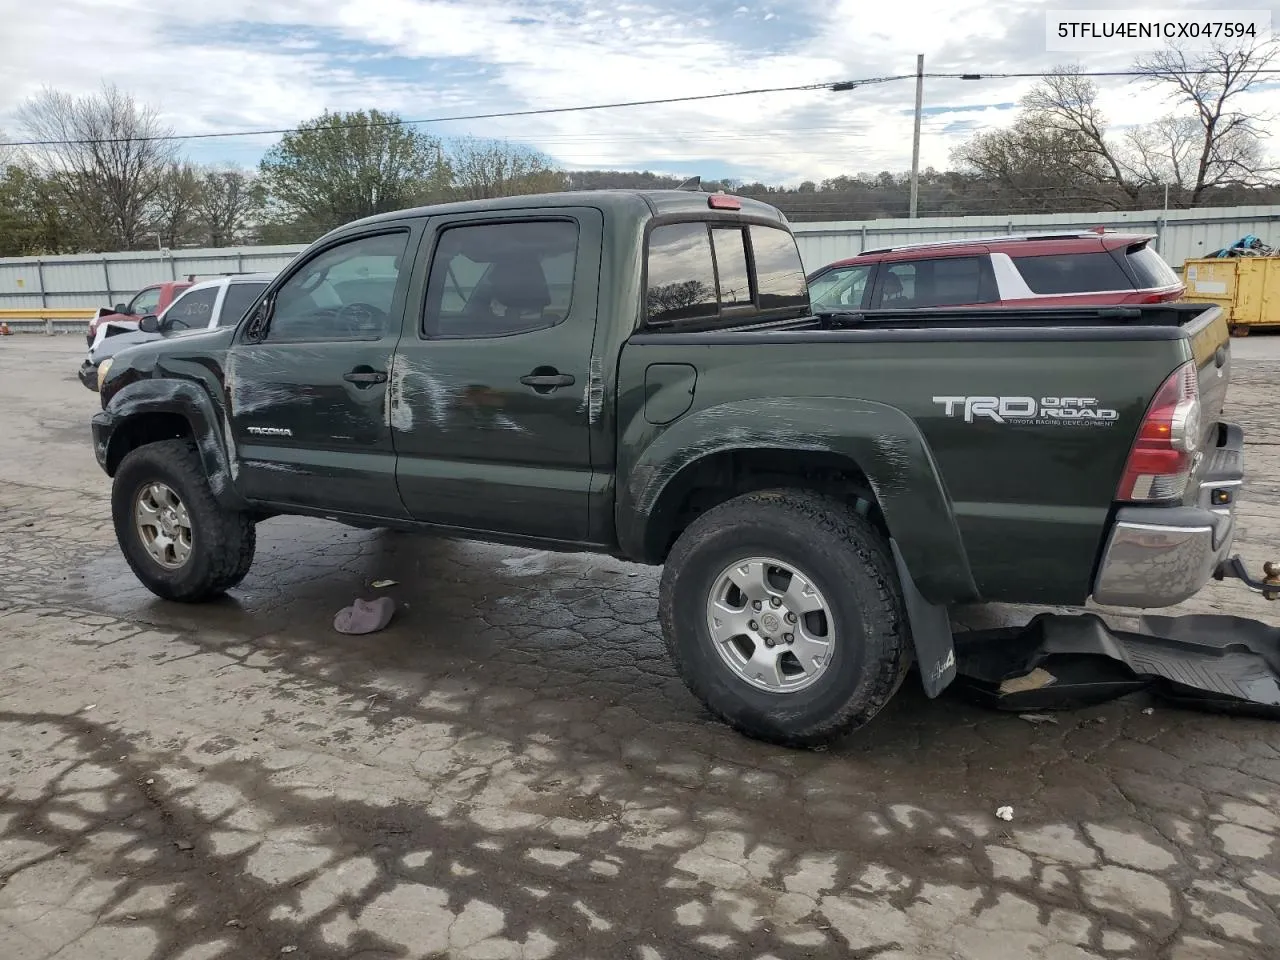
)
(1203, 661)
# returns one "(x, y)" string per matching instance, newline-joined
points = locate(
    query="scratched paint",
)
(258, 381)
(595, 391)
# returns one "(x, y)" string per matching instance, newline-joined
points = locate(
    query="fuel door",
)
(668, 391)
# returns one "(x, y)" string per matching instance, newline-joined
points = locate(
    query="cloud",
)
(240, 64)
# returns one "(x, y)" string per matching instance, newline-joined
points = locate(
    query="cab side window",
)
(499, 279)
(347, 292)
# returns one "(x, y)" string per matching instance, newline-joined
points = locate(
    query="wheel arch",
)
(149, 411)
(860, 451)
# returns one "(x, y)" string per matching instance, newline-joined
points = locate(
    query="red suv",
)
(1050, 270)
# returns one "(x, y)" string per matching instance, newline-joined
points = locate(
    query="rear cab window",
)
(706, 274)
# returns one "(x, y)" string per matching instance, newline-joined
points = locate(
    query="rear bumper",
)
(1160, 556)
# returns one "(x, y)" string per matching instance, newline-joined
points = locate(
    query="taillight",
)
(1163, 454)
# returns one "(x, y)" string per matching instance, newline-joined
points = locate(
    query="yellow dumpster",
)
(1247, 289)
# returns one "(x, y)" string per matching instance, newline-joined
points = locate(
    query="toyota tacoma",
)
(640, 374)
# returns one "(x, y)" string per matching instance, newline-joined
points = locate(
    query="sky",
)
(235, 64)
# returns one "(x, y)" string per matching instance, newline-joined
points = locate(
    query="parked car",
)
(153, 299)
(1061, 269)
(638, 373)
(202, 306)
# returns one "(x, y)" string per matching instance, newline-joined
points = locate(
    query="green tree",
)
(32, 221)
(340, 167)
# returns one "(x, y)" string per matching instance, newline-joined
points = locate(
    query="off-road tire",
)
(223, 541)
(848, 560)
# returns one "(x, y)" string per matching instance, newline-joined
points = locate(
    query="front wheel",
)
(175, 537)
(783, 614)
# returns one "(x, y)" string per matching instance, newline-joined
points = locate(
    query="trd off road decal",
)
(1042, 411)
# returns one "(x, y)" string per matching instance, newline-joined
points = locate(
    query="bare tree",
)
(1227, 147)
(1066, 103)
(1046, 168)
(496, 168)
(229, 201)
(107, 155)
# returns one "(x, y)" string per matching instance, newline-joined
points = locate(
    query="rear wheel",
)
(784, 616)
(175, 537)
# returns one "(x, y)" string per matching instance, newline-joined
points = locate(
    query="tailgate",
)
(1210, 339)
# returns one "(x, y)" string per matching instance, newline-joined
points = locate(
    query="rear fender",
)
(882, 441)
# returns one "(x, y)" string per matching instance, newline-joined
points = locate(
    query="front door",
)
(307, 401)
(492, 402)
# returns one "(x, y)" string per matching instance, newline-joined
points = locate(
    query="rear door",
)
(307, 402)
(491, 398)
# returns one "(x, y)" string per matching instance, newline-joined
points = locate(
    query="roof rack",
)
(1004, 238)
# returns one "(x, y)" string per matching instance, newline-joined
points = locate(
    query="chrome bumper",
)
(1160, 556)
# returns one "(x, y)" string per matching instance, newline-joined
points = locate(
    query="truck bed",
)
(1029, 499)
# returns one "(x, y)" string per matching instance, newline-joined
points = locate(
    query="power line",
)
(837, 87)
(840, 86)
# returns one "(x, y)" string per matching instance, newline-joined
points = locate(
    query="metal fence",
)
(87, 281)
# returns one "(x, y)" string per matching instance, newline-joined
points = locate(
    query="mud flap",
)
(930, 631)
(1204, 661)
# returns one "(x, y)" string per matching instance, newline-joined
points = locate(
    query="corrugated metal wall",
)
(103, 279)
(99, 280)
(1183, 234)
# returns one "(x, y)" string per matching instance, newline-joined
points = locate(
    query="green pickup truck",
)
(639, 374)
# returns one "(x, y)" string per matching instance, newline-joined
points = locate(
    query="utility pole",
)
(915, 139)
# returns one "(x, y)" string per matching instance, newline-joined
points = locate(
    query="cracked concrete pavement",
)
(512, 770)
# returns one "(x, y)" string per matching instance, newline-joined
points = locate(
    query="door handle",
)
(547, 381)
(364, 377)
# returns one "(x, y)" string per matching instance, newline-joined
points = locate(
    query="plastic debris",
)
(365, 616)
(1148, 711)
(379, 584)
(184, 845)
(289, 949)
(86, 709)
(1005, 813)
(1034, 680)
(1037, 718)
(235, 923)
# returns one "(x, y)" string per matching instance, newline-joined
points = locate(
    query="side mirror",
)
(149, 324)
(121, 308)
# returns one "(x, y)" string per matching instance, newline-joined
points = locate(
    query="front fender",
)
(881, 441)
(187, 399)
